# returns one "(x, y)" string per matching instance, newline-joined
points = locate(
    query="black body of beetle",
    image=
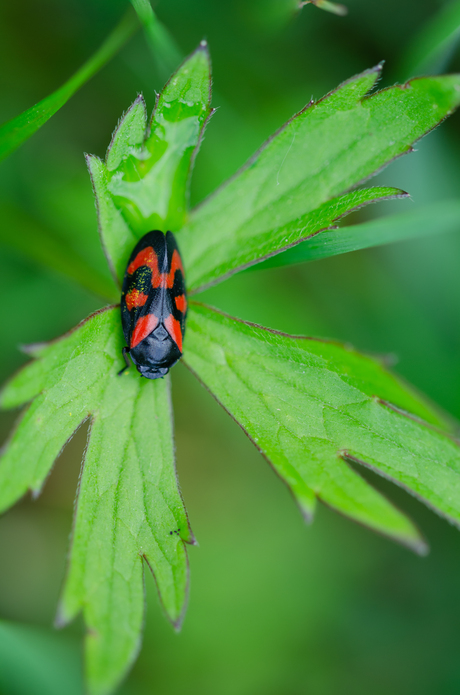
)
(154, 305)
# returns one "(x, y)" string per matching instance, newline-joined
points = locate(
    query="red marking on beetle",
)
(176, 264)
(135, 298)
(149, 258)
(181, 303)
(174, 329)
(144, 326)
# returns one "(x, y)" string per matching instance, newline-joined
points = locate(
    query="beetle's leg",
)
(125, 352)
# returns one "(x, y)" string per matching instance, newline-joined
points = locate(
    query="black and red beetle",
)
(154, 305)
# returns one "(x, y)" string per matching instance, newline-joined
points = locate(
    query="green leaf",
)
(437, 218)
(433, 46)
(129, 506)
(19, 129)
(310, 406)
(143, 184)
(246, 248)
(328, 148)
(165, 52)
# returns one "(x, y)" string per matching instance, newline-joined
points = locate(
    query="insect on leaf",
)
(310, 406)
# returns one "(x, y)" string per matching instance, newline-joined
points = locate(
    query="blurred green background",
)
(275, 607)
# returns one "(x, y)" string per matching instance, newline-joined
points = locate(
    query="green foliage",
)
(292, 187)
(14, 132)
(308, 405)
(143, 183)
(129, 505)
(437, 218)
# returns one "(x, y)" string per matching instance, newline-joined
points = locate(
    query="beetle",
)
(154, 305)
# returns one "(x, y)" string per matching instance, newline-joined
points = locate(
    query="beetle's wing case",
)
(154, 304)
(141, 290)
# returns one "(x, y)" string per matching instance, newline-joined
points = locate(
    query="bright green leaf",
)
(309, 405)
(143, 184)
(129, 505)
(325, 150)
(244, 247)
(431, 49)
(427, 220)
(14, 132)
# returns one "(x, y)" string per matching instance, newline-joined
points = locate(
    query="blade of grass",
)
(424, 221)
(431, 49)
(14, 132)
(165, 52)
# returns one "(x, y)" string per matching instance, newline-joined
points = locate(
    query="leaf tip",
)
(177, 624)
(387, 360)
(31, 349)
(377, 70)
(91, 159)
(201, 54)
(60, 620)
(412, 541)
(419, 546)
(125, 131)
(191, 540)
(308, 513)
(35, 493)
